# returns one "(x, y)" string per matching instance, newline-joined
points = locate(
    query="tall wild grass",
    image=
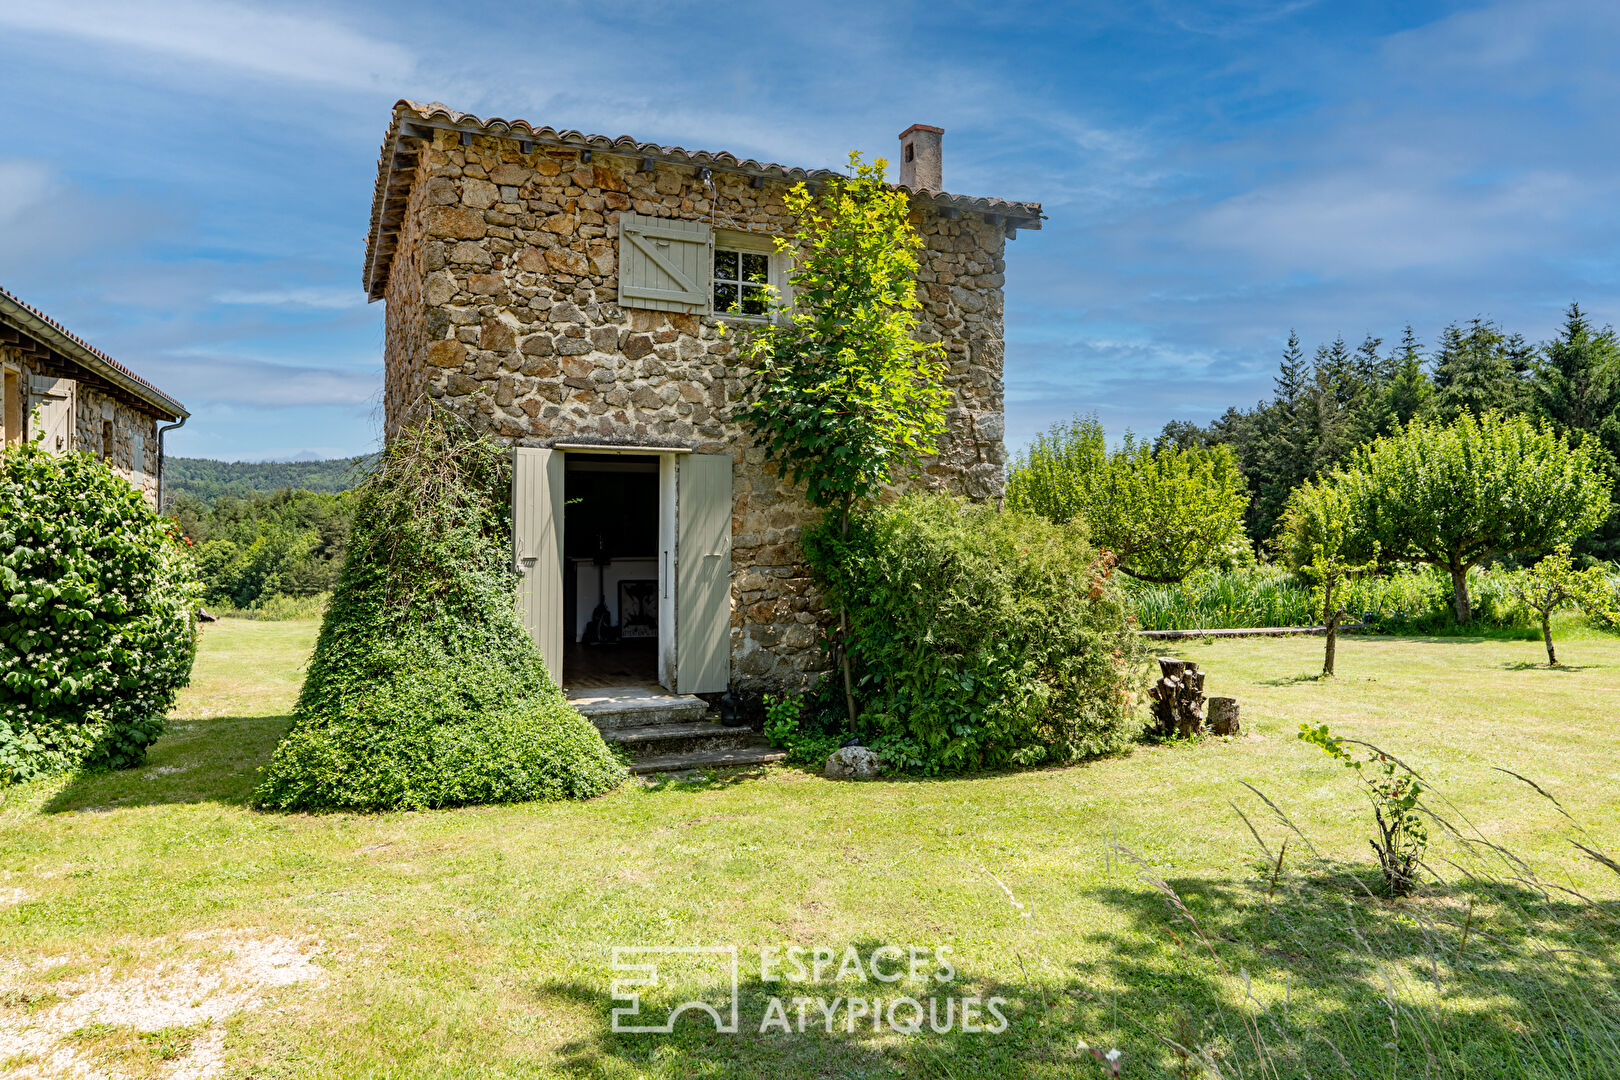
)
(1492, 969)
(1416, 600)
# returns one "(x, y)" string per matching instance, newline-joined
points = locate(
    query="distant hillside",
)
(206, 479)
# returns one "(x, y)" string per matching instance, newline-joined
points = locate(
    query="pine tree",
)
(1409, 394)
(1576, 380)
(1479, 370)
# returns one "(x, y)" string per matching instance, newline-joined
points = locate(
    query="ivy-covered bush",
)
(97, 600)
(424, 689)
(980, 638)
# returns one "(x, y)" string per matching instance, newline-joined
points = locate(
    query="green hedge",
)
(424, 689)
(97, 596)
(980, 638)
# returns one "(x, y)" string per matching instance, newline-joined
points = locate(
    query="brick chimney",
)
(921, 164)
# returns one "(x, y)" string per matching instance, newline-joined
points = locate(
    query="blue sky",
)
(187, 185)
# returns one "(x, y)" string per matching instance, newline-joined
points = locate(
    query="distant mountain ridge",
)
(207, 479)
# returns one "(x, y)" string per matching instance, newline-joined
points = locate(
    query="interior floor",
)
(627, 663)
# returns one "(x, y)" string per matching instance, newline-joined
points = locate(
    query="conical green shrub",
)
(424, 689)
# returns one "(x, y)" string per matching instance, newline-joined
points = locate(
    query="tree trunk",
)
(1546, 635)
(1459, 590)
(1330, 619)
(843, 633)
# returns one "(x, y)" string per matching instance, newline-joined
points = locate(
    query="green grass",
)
(476, 942)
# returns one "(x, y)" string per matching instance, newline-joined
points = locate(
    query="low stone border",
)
(1253, 631)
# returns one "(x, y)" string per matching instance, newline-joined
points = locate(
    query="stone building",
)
(55, 386)
(565, 292)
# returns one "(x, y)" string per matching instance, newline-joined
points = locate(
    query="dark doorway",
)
(610, 570)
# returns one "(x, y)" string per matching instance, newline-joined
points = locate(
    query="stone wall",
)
(96, 402)
(503, 305)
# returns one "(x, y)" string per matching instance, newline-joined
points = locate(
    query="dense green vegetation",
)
(1324, 409)
(979, 637)
(1163, 511)
(205, 479)
(425, 690)
(96, 627)
(261, 553)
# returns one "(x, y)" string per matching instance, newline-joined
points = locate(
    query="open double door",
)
(694, 561)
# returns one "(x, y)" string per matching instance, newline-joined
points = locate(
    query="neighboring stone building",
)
(53, 384)
(560, 290)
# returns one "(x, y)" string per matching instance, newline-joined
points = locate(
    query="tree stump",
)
(1223, 716)
(1178, 698)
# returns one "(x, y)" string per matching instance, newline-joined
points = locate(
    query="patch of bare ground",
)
(161, 1019)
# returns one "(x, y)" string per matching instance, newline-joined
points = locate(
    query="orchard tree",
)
(1553, 583)
(1317, 532)
(839, 391)
(1454, 496)
(1163, 513)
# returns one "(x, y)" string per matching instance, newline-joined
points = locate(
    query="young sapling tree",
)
(839, 391)
(1552, 583)
(1318, 539)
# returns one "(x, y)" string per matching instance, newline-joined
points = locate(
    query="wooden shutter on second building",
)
(54, 398)
(665, 264)
(537, 548)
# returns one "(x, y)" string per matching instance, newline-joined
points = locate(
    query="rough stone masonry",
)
(502, 304)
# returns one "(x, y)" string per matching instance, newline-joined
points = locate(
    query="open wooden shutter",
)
(54, 398)
(537, 547)
(703, 575)
(664, 264)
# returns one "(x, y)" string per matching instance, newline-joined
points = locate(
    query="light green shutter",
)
(537, 547)
(703, 574)
(664, 264)
(54, 398)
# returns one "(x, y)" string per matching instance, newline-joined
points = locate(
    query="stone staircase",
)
(663, 732)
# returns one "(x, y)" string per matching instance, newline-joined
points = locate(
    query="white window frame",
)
(776, 273)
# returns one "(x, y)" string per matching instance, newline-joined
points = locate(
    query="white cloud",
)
(280, 44)
(235, 380)
(308, 297)
(23, 184)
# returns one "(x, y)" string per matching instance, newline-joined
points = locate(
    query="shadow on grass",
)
(216, 760)
(1320, 978)
(1316, 979)
(1530, 665)
(1036, 1036)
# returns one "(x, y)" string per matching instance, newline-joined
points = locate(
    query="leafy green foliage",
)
(840, 392)
(207, 480)
(1454, 496)
(980, 638)
(1399, 599)
(1316, 532)
(1396, 793)
(787, 726)
(1164, 512)
(1554, 582)
(424, 689)
(256, 550)
(97, 596)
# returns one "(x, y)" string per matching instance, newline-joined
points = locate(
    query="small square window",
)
(741, 282)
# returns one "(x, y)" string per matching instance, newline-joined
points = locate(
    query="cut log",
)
(1178, 698)
(1223, 716)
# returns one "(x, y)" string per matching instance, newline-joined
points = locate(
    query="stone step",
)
(708, 759)
(651, 740)
(631, 707)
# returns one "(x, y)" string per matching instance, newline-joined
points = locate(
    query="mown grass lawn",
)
(477, 943)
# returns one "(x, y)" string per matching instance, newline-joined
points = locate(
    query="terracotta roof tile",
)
(385, 211)
(75, 348)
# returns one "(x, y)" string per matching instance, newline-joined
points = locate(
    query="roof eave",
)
(42, 330)
(411, 120)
